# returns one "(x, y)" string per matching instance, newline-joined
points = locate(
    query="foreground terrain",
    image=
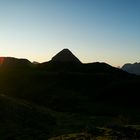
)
(68, 100)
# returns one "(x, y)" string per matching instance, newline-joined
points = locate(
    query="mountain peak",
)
(65, 56)
(66, 49)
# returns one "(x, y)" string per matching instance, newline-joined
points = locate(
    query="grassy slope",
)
(23, 120)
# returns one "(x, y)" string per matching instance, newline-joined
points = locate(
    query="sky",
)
(94, 30)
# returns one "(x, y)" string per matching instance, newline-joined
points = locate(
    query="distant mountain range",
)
(65, 60)
(132, 68)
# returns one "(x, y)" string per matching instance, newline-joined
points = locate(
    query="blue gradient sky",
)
(94, 30)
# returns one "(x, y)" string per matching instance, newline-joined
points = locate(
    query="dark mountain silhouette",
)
(65, 61)
(61, 97)
(12, 62)
(65, 56)
(132, 68)
(96, 67)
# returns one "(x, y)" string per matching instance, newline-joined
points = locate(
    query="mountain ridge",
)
(132, 68)
(14, 62)
(63, 61)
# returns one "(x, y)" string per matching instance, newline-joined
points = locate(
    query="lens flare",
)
(1, 60)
